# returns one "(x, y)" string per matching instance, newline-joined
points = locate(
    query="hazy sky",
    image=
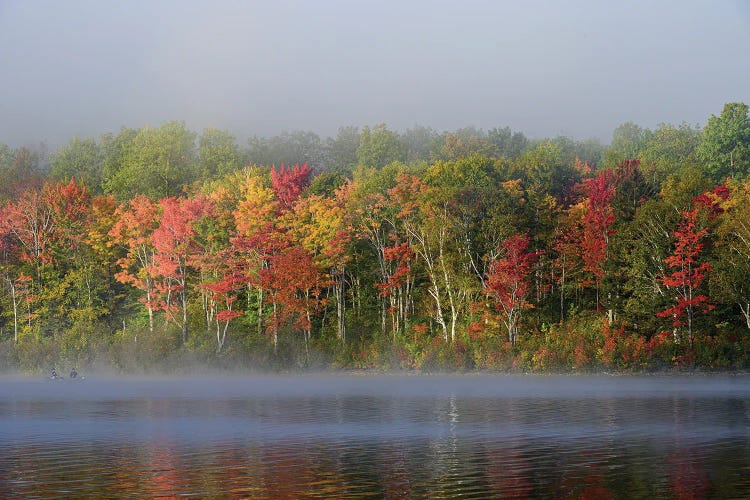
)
(577, 68)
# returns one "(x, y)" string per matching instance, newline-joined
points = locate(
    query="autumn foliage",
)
(597, 223)
(508, 281)
(289, 182)
(687, 274)
(471, 254)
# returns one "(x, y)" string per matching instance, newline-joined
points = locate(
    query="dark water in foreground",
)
(377, 436)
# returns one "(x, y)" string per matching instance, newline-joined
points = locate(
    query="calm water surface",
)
(376, 436)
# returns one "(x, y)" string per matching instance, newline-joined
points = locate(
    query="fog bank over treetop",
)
(258, 68)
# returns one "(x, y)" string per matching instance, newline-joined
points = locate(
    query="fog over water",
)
(541, 67)
(339, 436)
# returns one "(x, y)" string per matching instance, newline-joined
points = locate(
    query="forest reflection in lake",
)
(381, 436)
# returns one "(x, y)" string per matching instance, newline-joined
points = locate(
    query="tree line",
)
(154, 248)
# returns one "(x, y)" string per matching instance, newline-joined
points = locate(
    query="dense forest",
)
(161, 249)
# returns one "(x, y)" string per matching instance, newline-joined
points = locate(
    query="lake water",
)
(376, 436)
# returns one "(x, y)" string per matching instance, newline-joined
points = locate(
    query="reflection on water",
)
(325, 436)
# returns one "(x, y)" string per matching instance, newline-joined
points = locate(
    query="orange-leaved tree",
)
(132, 231)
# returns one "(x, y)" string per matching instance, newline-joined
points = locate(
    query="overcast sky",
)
(577, 68)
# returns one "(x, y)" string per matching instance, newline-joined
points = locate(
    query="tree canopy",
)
(417, 250)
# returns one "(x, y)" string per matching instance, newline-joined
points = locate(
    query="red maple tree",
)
(224, 294)
(508, 280)
(176, 253)
(688, 274)
(597, 223)
(289, 182)
(292, 281)
(712, 200)
(398, 260)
